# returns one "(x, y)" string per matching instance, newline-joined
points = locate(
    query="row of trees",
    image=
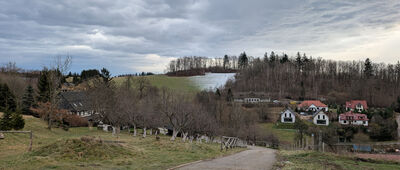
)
(135, 103)
(303, 77)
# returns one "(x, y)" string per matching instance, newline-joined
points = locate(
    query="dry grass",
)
(59, 149)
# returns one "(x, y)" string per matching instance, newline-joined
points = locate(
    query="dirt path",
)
(255, 158)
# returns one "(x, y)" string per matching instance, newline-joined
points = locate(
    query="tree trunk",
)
(114, 131)
(144, 132)
(184, 136)
(174, 134)
(151, 132)
(134, 130)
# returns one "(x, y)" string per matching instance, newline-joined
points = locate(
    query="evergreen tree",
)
(272, 57)
(5, 121)
(7, 99)
(43, 86)
(243, 60)
(218, 93)
(27, 101)
(266, 57)
(105, 74)
(368, 68)
(298, 60)
(285, 58)
(17, 122)
(226, 61)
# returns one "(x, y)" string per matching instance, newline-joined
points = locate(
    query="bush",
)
(73, 120)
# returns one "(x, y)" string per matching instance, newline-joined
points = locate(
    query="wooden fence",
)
(232, 142)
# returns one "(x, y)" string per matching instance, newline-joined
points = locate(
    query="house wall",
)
(287, 114)
(321, 116)
(353, 122)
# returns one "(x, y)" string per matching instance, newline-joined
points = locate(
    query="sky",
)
(128, 36)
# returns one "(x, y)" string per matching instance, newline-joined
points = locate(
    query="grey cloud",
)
(124, 32)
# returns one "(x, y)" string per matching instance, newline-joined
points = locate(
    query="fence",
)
(232, 142)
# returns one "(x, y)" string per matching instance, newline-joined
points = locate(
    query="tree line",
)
(303, 77)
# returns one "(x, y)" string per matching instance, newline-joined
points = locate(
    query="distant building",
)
(75, 102)
(353, 119)
(251, 97)
(288, 116)
(312, 106)
(356, 105)
(321, 118)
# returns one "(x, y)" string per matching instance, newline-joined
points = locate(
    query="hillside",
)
(176, 83)
(58, 149)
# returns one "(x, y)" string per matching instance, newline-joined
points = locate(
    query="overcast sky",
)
(128, 36)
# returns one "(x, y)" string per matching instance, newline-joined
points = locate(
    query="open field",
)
(59, 149)
(175, 83)
(285, 136)
(319, 160)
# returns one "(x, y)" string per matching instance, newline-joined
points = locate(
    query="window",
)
(344, 121)
(319, 117)
(323, 116)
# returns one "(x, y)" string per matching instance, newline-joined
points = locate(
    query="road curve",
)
(256, 158)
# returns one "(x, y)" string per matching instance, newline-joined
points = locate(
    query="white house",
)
(356, 105)
(251, 97)
(321, 118)
(288, 116)
(312, 106)
(353, 119)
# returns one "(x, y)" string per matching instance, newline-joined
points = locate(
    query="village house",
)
(356, 105)
(288, 116)
(312, 106)
(251, 97)
(321, 118)
(353, 119)
(76, 102)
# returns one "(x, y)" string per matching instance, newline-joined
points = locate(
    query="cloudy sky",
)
(128, 36)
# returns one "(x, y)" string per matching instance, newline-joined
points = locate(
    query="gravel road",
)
(256, 158)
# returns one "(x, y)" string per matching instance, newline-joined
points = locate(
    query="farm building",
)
(251, 97)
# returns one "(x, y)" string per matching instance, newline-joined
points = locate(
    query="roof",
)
(353, 103)
(319, 111)
(308, 103)
(74, 101)
(290, 110)
(353, 116)
(250, 95)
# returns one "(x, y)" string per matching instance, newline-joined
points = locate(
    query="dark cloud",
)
(135, 35)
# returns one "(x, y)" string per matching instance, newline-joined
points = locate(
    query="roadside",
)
(258, 158)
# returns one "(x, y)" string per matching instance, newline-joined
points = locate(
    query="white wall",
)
(288, 114)
(321, 116)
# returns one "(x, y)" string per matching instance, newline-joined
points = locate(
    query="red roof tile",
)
(307, 103)
(352, 104)
(353, 116)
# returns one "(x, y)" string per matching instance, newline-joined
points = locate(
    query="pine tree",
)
(27, 101)
(298, 60)
(266, 60)
(17, 122)
(226, 61)
(43, 87)
(285, 58)
(368, 68)
(7, 99)
(243, 60)
(272, 57)
(5, 121)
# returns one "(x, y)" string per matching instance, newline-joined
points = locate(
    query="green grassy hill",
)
(59, 149)
(175, 83)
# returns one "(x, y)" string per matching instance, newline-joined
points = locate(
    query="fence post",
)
(31, 138)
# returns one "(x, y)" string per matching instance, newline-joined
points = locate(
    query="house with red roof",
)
(356, 105)
(350, 118)
(312, 106)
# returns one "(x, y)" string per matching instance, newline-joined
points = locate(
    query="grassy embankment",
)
(319, 160)
(175, 83)
(59, 149)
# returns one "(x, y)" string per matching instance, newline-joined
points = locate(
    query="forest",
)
(301, 77)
